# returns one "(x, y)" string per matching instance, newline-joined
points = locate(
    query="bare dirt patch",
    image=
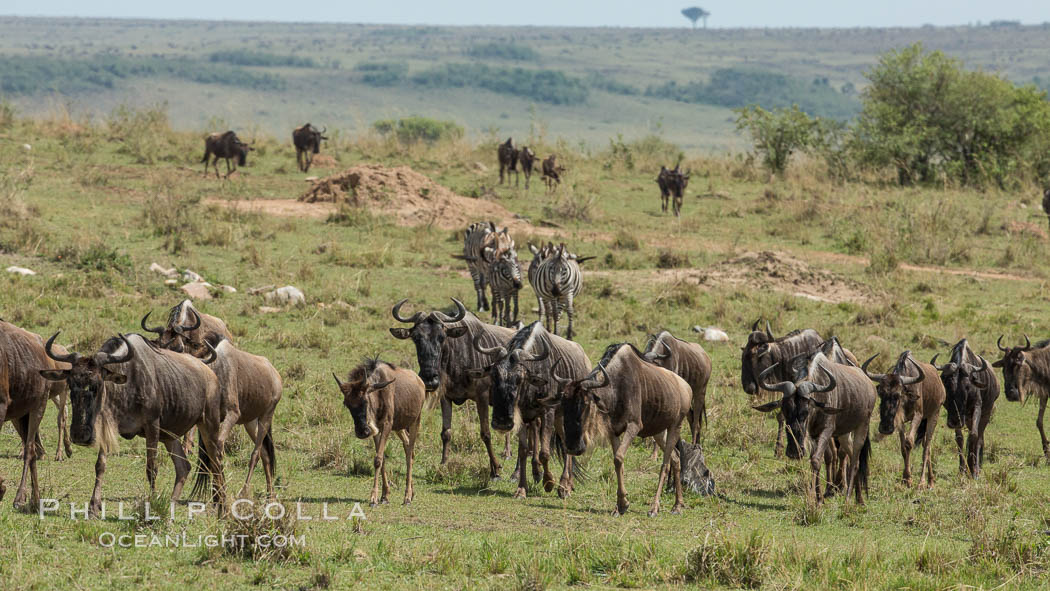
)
(292, 208)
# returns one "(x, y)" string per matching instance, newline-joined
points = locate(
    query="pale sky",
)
(611, 13)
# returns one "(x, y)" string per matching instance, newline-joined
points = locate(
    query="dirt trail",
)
(863, 261)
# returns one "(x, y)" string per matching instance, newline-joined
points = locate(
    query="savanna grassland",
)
(92, 203)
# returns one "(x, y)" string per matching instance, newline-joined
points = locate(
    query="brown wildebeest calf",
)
(382, 398)
(507, 155)
(552, 172)
(633, 398)
(1026, 372)
(692, 363)
(910, 393)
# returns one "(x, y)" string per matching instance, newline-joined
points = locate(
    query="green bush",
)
(545, 86)
(382, 73)
(415, 129)
(243, 57)
(776, 134)
(503, 51)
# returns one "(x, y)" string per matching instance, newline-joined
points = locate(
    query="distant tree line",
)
(503, 51)
(243, 57)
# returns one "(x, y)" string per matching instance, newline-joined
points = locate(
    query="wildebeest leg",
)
(830, 467)
(619, 446)
(906, 455)
(860, 438)
(380, 440)
(973, 444)
(4, 402)
(502, 167)
(565, 483)
(264, 424)
(657, 446)
(544, 431)
(152, 434)
(507, 451)
(670, 441)
(229, 169)
(778, 447)
(569, 312)
(697, 412)
(959, 446)
(215, 164)
(814, 463)
(95, 506)
(486, 437)
(30, 426)
(677, 206)
(410, 458)
(446, 428)
(209, 431)
(927, 455)
(182, 465)
(187, 440)
(63, 427)
(1039, 425)
(524, 434)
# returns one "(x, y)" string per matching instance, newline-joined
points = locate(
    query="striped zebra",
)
(538, 255)
(505, 282)
(482, 244)
(557, 282)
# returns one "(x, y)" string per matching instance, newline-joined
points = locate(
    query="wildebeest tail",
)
(863, 466)
(579, 472)
(271, 452)
(206, 154)
(920, 433)
(205, 468)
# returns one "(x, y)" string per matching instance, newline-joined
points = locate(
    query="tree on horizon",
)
(695, 13)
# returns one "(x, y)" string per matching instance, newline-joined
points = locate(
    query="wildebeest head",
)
(893, 391)
(580, 405)
(176, 336)
(797, 405)
(511, 377)
(86, 380)
(428, 334)
(756, 357)
(963, 382)
(1017, 369)
(361, 392)
(657, 352)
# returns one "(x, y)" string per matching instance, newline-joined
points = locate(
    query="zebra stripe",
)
(557, 282)
(505, 282)
(473, 242)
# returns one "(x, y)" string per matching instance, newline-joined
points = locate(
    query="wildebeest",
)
(970, 389)
(523, 393)
(1026, 372)
(622, 398)
(910, 393)
(23, 398)
(250, 388)
(131, 388)
(187, 329)
(1046, 203)
(505, 283)
(507, 155)
(557, 281)
(552, 172)
(692, 363)
(226, 146)
(527, 158)
(763, 351)
(446, 356)
(307, 140)
(844, 414)
(382, 398)
(672, 185)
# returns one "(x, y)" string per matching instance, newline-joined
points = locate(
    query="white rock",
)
(27, 147)
(1024, 206)
(712, 334)
(20, 270)
(228, 288)
(190, 276)
(197, 290)
(287, 295)
(171, 282)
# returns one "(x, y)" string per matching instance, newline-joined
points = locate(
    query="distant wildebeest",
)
(523, 393)
(971, 389)
(505, 282)
(307, 140)
(552, 172)
(482, 245)
(911, 392)
(382, 398)
(132, 389)
(226, 146)
(672, 185)
(446, 356)
(507, 155)
(24, 393)
(1026, 372)
(692, 363)
(622, 398)
(1046, 203)
(528, 159)
(844, 414)
(763, 351)
(188, 329)
(250, 388)
(557, 281)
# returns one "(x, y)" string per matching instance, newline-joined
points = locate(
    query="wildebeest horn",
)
(786, 388)
(67, 358)
(128, 356)
(526, 356)
(999, 343)
(461, 313)
(831, 381)
(933, 362)
(875, 377)
(769, 331)
(754, 326)
(196, 319)
(597, 384)
(157, 330)
(913, 380)
(666, 348)
(337, 380)
(212, 354)
(381, 385)
(396, 312)
(554, 373)
(498, 350)
(1027, 343)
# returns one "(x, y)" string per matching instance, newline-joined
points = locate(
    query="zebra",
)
(557, 282)
(538, 256)
(482, 244)
(505, 282)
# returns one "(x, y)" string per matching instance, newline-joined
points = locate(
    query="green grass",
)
(82, 211)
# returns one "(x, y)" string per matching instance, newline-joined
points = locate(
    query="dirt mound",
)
(780, 271)
(412, 198)
(323, 161)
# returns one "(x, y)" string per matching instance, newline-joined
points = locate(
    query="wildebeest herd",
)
(526, 380)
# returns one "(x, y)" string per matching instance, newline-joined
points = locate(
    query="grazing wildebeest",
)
(843, 414)
(382, 398)
(692, 363)
(507, 155)
(763, 351)
(250, 388)
(505, 282)
(23, 398)
(445, 355)
(226, 146)
(1046, 203)
(632, 398)
(527, 158)
(482, 245)
(188, 329)
(557, 281)
(910, 393)
(151, 393)
(970, 389)
(307, 140)
(551, 172)
(672, 185)
(522, 394)
(1026, 372)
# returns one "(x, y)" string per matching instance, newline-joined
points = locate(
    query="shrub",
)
(503, 51)
(243, 57)
(416, 129)
(382, 73)
(545, 86)
(776, 134)
(729, 563)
